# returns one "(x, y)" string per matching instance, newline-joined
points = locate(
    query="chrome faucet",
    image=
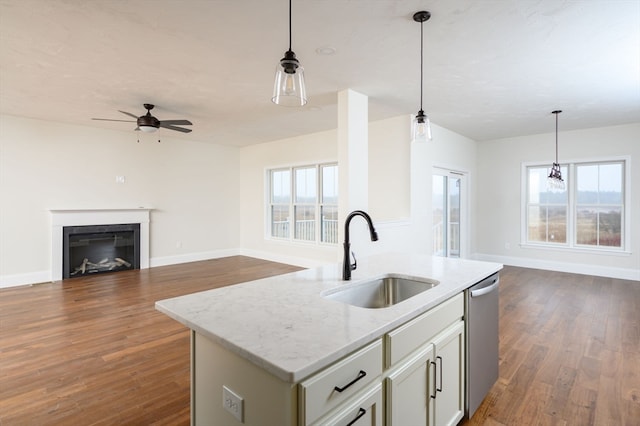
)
(347, 266)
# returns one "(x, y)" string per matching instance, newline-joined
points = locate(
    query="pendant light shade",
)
(421, 128)
(288, 87)
(555, 180)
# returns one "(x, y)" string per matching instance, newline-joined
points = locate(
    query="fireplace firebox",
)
(98, 249)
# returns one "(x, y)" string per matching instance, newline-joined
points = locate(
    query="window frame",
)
(571, 231)
(318, 205)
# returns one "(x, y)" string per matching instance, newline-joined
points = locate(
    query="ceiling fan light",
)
(421, 128)
(289, 88)
(148, 129)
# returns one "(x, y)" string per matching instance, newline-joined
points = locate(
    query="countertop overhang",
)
(285, 326)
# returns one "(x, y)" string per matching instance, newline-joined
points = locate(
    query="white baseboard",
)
(25, 279)
(574, 268)
(289, 260)
(192, 257)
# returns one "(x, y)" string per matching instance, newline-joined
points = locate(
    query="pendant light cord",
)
(289, 25)
(557, 112)
(421, 61)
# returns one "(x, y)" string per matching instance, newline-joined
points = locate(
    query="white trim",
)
(289, 260)
(80, 217)
(574, 268)
(570, 245)
(192, 257)
(30, 278)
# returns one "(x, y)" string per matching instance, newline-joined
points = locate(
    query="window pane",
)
(537, 220)
(557, 221)
(539, 191)
(587, 182)
(586, 226)
(280, 221)
(610, 227)
(305, 223)
(280, 186)
(329, 184)
(329, 224)
(610, 183)
(306, 185)
(537, 185)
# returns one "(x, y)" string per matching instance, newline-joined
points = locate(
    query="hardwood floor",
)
(569, 351)
(94, 351)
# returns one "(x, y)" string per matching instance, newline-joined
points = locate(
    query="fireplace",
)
(85, 219)
(96, 249)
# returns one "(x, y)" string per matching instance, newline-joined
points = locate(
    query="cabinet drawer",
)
(318, 394)
(410, 336)
(365, 410)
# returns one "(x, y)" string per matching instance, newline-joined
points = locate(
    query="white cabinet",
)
(448, 396)
(409, 389)
(413, 375)
(336, 384)
(427, 386)
(364, 410)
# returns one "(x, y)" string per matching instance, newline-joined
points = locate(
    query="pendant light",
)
(555, 180)
(421, 129)
(288, 88)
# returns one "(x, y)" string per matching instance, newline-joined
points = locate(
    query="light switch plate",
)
(233, 403)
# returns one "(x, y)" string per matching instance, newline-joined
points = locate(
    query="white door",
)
(449, 210)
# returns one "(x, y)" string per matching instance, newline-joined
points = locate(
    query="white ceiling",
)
(493, 68)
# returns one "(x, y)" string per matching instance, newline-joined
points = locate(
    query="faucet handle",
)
(354, 265)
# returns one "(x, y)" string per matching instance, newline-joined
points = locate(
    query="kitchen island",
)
(281, 331)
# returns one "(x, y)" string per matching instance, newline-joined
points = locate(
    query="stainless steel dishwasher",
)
(481, 327)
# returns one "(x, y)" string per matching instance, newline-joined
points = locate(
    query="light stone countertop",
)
(285, 326)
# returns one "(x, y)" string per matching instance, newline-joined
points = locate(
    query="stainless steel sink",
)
(382, 292)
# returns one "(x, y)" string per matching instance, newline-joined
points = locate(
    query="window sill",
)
(581, 250)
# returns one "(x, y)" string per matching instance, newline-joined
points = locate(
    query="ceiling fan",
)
(148, 123)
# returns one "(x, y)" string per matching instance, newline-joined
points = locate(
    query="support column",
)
(353, 155)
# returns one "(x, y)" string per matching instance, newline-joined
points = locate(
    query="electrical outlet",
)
(233, 403)
(120, 179)
(507, 246)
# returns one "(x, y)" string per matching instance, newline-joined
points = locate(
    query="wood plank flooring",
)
(569, 351)
(94, 351)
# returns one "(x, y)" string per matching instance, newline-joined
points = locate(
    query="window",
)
(304, 203)
(589, 213)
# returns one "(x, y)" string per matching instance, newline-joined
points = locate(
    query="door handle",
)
(434, 381)
(481, 291)
(440, 388)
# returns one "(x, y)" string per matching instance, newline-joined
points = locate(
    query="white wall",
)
(255, 160)
(192, 187)
(399, 188)
(499, 198)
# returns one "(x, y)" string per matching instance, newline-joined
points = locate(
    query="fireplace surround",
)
(61, 218)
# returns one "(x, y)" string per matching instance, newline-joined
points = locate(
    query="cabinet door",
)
(449, 366)
(408, 390)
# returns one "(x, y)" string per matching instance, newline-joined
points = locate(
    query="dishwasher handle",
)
(484, 290)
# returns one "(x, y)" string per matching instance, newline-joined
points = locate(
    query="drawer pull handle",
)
(361, 374)
(361, 412)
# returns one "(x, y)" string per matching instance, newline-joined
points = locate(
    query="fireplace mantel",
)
(79, 217)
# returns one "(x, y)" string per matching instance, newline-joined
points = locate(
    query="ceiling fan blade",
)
(170, 127)
(108, 119)
(181, 122)
(129, 114)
